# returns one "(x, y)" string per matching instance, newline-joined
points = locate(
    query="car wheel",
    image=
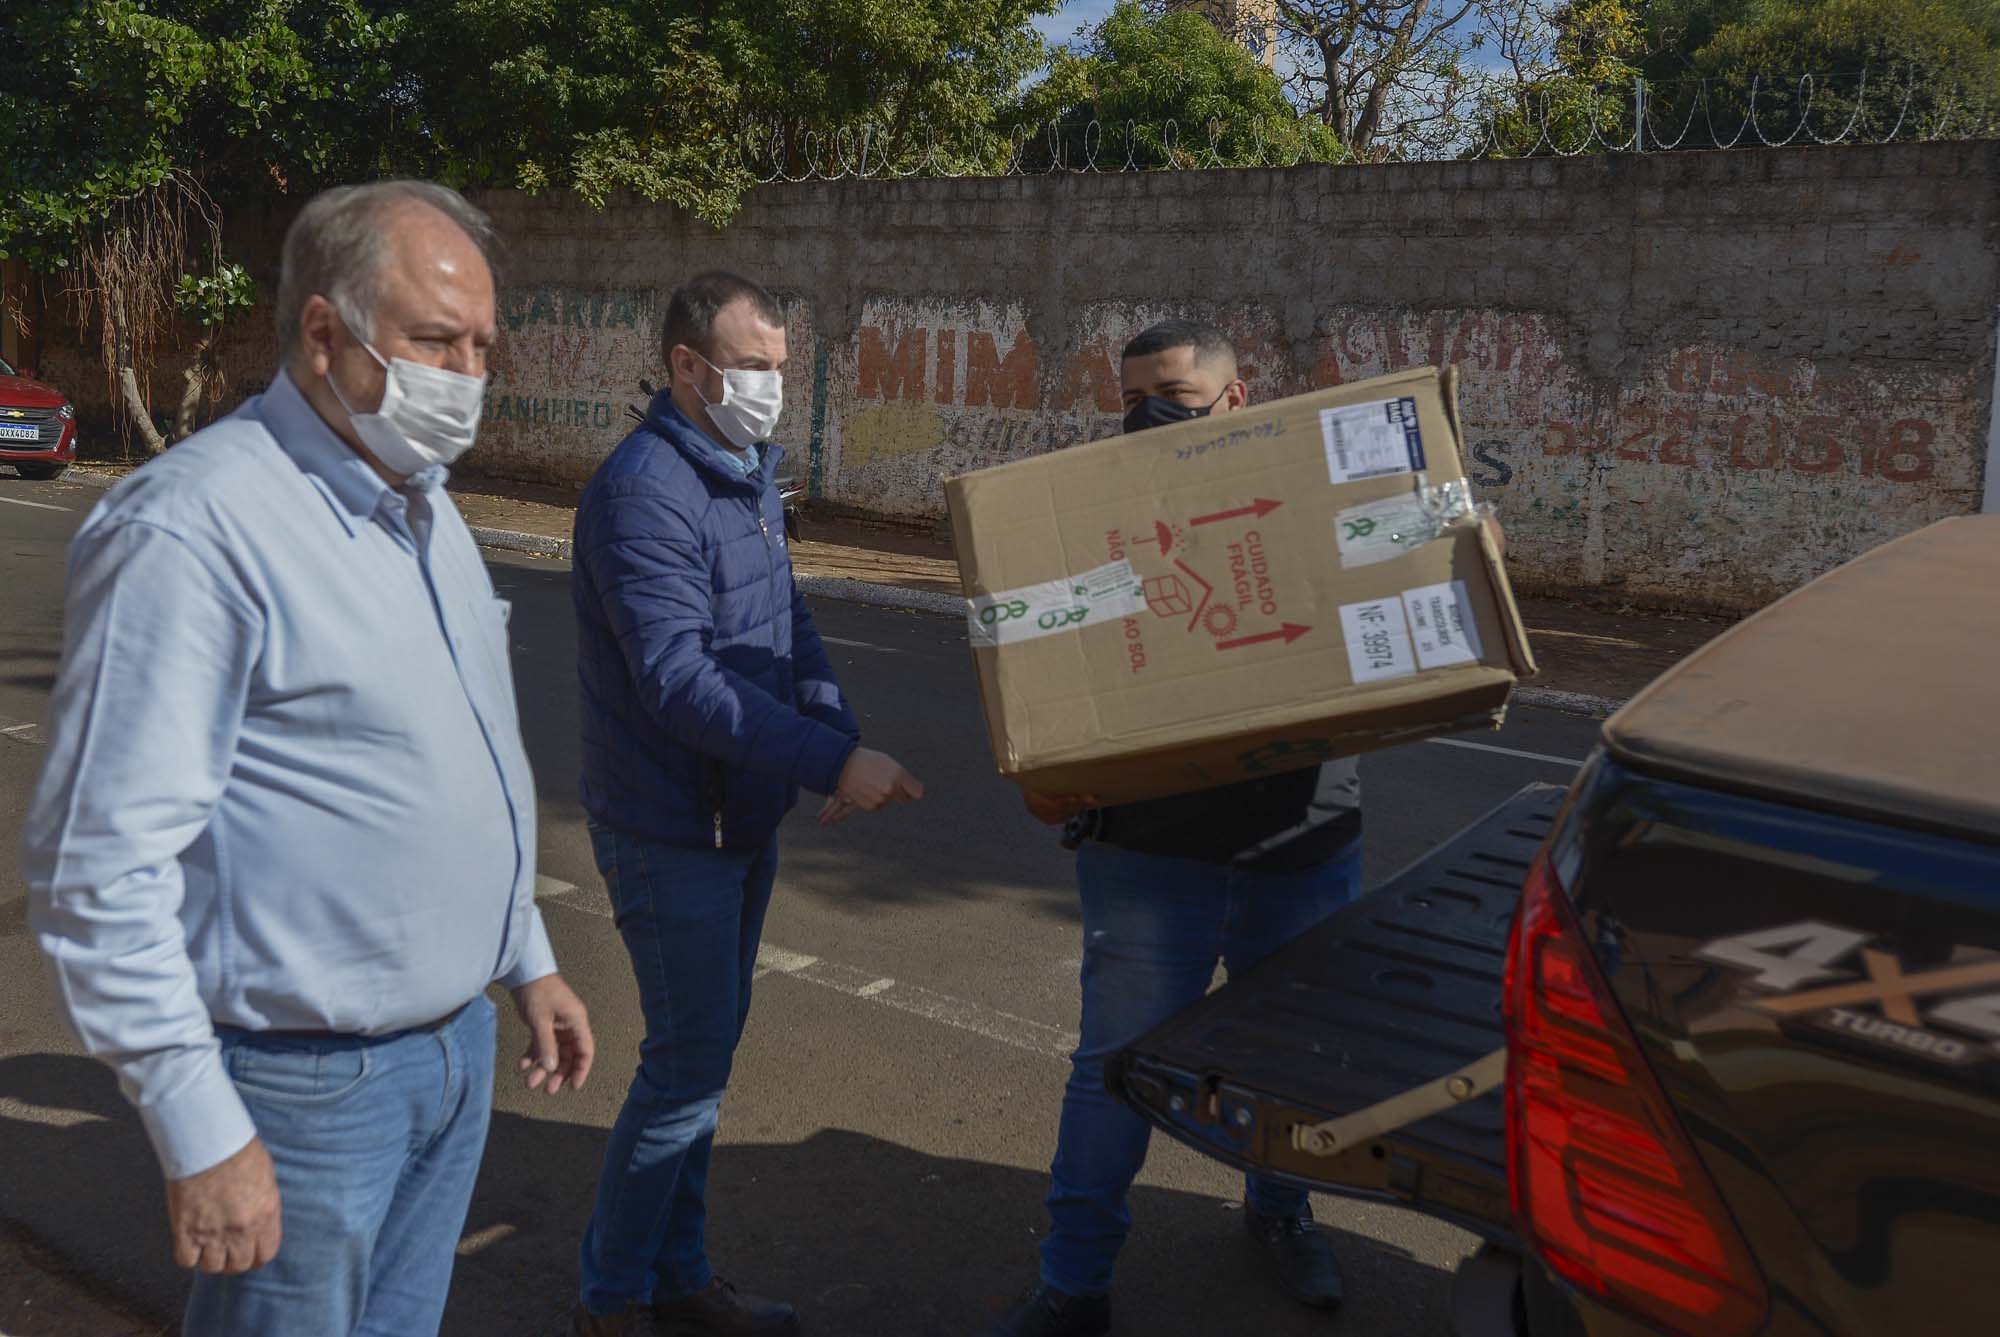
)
(41, 473)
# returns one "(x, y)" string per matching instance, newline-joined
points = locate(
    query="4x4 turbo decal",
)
(1963, 996)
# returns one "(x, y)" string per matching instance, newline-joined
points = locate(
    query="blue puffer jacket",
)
(708, 701)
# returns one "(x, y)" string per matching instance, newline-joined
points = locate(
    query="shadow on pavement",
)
(869, 1238)
(32, 668)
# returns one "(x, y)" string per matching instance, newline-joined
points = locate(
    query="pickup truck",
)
(1707, 1044)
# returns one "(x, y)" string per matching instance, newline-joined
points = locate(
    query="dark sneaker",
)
(1303, 1255)
(629, 1323)
(1047, 1312)
(724, 1311)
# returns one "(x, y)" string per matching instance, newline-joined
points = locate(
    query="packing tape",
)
(1105, 594)
(1376, 531)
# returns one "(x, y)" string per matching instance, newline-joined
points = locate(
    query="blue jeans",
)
(377, 1141)
(691, 920)
(1153, 929)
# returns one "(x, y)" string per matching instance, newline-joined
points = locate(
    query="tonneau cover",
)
(1875, 690)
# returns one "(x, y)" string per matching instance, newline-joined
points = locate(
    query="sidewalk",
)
(1592, 657)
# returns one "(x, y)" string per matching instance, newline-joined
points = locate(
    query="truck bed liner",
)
(1398, 989)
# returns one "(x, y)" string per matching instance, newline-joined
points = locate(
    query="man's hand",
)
(560, 1047)
(226, 1218)
(871, 781)
(1057, 809)
(1496, 533)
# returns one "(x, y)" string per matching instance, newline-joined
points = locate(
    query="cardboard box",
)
(1235, 595)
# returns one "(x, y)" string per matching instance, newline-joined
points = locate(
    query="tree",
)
(123, 123)
(669, 100)
(1932, 66)
(208, 300)
(120, 125)
(1742, 71)
(1570, 68)
(935, 79)
(594, 97)
(1388, 76)
(1179, 88)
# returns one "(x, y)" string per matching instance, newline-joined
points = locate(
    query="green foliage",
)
(1173, 79)
(940, 75)
(1945, 50)
(1672, 31)
(106, 99)
(210, 299)
(669, 99)
(594, 98)
(111, 98)
(1584, 99)
(1932, 68)
(1597, 40)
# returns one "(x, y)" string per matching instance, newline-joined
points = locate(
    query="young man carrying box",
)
(1169, 887)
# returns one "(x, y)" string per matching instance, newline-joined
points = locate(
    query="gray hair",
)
(334, 249)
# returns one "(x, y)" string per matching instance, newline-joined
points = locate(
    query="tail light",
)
(1606, 1187)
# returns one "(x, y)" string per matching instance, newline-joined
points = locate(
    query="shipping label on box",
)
(1249, 591)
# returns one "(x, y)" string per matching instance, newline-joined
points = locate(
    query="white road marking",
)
(1571, 762)
(1019, 1032)
(38, 505)
(51, 1116)
(771, 958)
(20, 732)
(859, 645)
(483, 1239)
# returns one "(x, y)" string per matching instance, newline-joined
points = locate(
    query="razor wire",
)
(1552, 118)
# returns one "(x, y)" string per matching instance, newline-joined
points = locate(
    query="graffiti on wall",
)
(568, 364)
(1703, 456)
(1708, 471)
(925, 390)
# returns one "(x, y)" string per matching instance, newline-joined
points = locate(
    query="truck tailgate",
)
(1399, 989)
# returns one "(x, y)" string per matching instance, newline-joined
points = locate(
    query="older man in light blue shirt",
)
(286, 834)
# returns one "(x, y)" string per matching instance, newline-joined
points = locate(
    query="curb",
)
(509, 540)
(880, 596)
(1570, 703)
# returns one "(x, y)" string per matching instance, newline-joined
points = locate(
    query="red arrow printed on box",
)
(1288, 633)
(1260, 508)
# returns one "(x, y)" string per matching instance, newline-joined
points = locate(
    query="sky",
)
(1061, 26)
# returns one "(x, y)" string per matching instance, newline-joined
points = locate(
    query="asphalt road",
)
(885, 1142)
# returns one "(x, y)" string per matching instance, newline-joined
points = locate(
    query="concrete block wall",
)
(1694, 378)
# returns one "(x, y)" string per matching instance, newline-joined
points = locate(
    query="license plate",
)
(19, 431)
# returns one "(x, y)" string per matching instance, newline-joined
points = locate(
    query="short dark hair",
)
(1208, 342)
(692, 309)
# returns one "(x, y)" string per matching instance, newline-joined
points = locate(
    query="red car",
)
(37, 425)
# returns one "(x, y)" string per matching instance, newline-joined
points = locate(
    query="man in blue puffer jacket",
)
(708, 703)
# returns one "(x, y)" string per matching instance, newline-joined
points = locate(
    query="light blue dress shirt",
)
(286, 788)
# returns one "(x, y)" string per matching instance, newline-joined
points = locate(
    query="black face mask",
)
(1153, 411)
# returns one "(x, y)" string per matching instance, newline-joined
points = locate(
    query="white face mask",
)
(751, 403)
(428, 416)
